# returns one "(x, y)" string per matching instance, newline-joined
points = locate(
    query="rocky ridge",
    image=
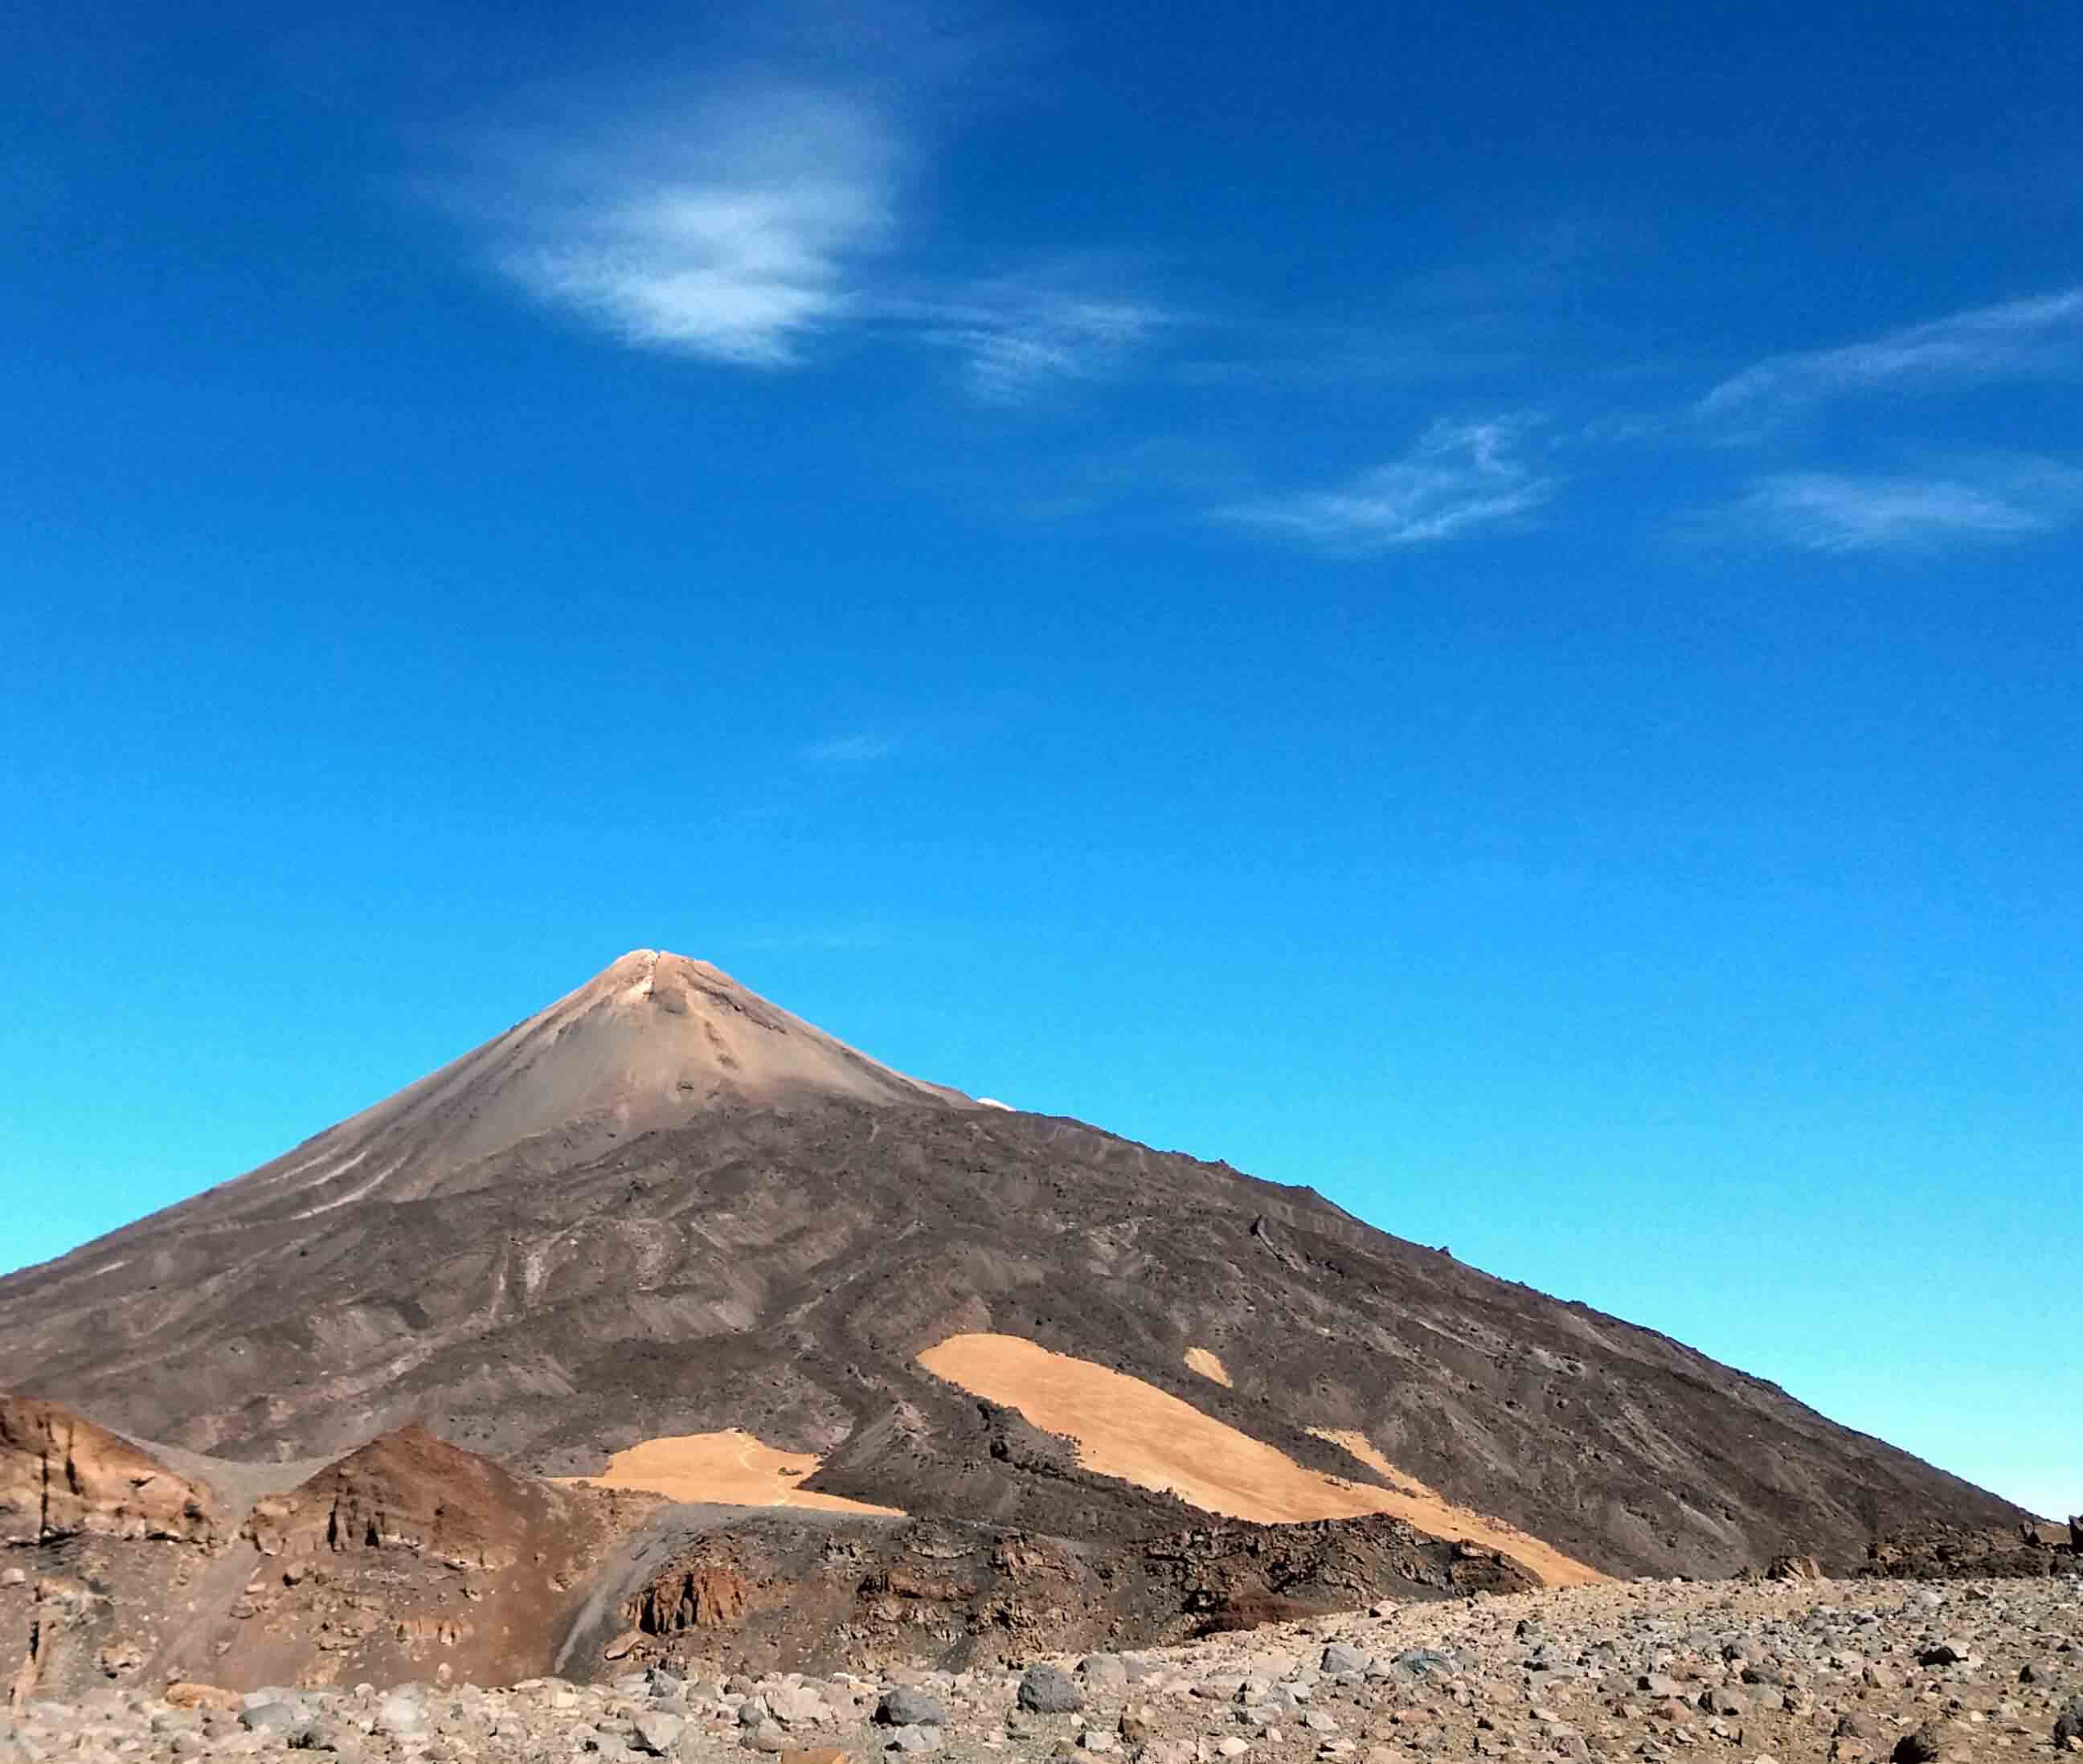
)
(408, 1555)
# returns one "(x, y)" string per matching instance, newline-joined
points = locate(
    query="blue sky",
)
(1475, 607)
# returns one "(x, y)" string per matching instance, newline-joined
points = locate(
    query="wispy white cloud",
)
(1018, 334)
(730, 228)
(1835, 512)
(2040, 336)
(859, 749)
(1460, 477)
(740, 221)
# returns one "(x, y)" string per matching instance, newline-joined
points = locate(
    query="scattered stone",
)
(906, 1706)
(182, 1694)
(280, 1719)
(1104, 1672)
(1050, 1690)
(657, 1733)
(1663, 1672)
(795, 1705)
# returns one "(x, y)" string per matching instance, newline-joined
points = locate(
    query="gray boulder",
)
(1050, 1690)
(906, 1706)
(656, 1733)
(795, 1704)
(280, 1720)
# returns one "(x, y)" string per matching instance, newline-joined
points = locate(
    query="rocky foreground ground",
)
(1844, 1671)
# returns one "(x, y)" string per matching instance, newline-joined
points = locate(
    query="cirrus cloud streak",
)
(1844, 512)
(2038, 336)
(1458, 478)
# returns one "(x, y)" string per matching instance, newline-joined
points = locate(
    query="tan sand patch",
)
(731, 1467)
(1200, 1359)
(1351, 1440)
(1127, 1428)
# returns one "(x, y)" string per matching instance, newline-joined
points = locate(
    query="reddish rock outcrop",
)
(61, 1476)
(408, 1491)
(409, 1558)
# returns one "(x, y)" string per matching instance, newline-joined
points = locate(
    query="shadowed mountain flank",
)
(663, 1209)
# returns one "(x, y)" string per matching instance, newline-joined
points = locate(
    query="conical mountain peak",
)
(662, 1213)
(670, 1027)
(654, 1040)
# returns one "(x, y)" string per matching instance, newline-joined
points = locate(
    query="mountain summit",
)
(651, 1042)
(665, 1233)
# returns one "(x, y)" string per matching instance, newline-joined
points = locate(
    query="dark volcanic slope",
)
(771, 1246)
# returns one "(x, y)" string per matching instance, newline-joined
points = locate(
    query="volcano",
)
(665, 1236)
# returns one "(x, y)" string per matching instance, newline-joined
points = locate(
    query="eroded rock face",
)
(408, 1559)
(104, 1542)
(407, 1490)
(61, 1476)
